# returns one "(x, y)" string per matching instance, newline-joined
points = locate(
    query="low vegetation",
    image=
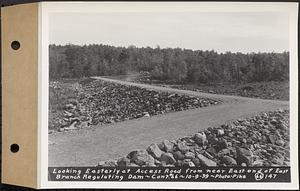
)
(275, 90)
(263, 90)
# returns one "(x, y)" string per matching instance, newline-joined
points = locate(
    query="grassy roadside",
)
(275, 90)
(262, 90)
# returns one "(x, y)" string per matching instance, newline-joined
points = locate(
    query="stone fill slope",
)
(262, 140)
(81, 103)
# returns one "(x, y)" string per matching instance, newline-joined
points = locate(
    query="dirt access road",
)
(86, 147)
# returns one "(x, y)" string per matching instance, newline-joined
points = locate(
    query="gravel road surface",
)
(86, 147)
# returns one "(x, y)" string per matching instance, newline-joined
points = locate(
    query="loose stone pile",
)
(100, 102)
(262, 140)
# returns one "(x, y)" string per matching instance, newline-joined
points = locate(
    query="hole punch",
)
(15, 45)
(14, 148)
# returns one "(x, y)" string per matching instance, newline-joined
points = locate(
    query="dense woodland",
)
(173, 65)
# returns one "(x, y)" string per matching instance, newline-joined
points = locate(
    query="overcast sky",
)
(235, 32)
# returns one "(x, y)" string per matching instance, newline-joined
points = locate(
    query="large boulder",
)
(222, 144)
(155, 151)
(229, 161)
(206, 161)
(188, 163)
(223, 152)
(212, 139)
(196, 161)
(179, 163)
(181, 145)
(258, 163)
(178, 155)
(212, 151)
(200, 138)
(166, 146)
(280, 142)
(123, 162)
(167, 158)
(244, 156)
(272, 139)
(220, 132)
(189, 155)
(140, 157)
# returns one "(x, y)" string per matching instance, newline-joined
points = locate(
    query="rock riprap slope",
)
(262, 140)
(75, 105)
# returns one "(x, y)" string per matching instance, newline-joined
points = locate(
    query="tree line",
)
(174, 65)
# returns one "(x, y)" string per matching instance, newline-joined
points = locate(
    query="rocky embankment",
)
(262, 140)
(93, 102)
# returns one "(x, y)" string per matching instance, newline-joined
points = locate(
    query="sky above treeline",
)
(234, 32)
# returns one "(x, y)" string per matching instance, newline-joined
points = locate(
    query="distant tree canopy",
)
(169, 64)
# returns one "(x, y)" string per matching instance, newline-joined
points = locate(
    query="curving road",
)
(86, 147)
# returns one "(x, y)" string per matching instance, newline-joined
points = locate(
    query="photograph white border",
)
(47, 8)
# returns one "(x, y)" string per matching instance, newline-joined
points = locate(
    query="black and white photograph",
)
(183, 89)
